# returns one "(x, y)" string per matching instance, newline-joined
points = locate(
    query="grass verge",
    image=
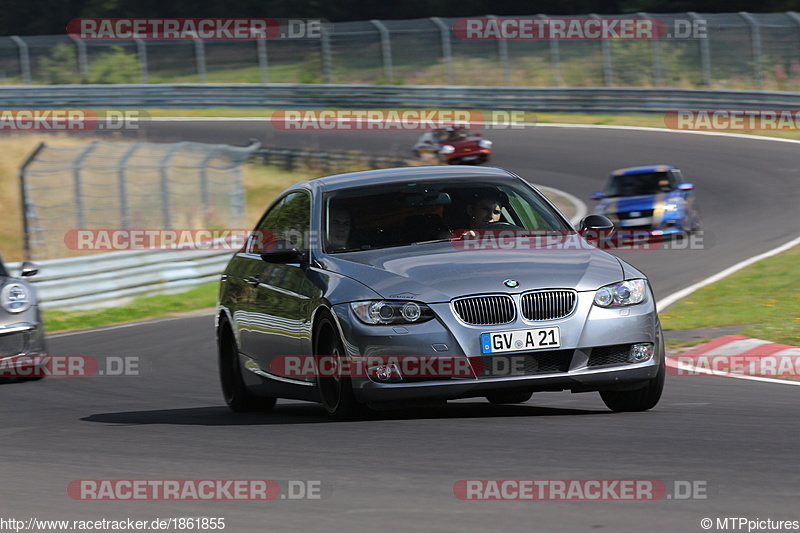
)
(765, 293)
(201, 297)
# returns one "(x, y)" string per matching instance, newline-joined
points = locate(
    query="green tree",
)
(116, 66)
(60, 67)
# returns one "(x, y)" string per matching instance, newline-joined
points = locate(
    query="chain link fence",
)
(124, 186)
(735, 51)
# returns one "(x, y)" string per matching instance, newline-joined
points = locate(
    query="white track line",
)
(523, 124)
(129, 324)
(675, 296)
(580, 207)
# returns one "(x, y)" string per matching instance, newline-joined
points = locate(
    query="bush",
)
(61, 67)
(114, 66)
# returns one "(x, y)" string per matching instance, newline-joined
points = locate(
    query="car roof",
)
(402, 174)
(642, 170)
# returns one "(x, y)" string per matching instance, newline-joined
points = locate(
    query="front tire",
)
(640, 399)
(234, 390)
(336, 391)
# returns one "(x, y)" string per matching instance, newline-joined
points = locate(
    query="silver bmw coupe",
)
(394, 286)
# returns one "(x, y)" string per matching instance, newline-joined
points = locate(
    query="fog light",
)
(640, 353)
(387, 373)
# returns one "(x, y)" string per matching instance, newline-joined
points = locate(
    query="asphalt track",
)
(737, 439)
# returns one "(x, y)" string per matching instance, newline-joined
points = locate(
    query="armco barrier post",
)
(755, 42)
(263, 59)
(386, 50)
(24, 59)
(447, 54)
(141, 52)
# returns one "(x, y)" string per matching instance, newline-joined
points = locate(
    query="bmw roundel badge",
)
(511, 283)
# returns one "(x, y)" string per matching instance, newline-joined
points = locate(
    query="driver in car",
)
(339, 223)
(484, 210)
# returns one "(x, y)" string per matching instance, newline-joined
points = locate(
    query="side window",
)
(264, 230)
(676, 178)
(293, 222)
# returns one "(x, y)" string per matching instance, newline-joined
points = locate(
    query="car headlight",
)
(621, 294)
(447, 149)
(388, 312)
(484, 143)
(671, 207)
(16, 298)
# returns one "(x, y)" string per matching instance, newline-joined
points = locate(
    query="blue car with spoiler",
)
(655, 199)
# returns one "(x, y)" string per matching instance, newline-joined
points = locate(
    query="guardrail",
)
(114, 278)
(542, 99)
(328, 161)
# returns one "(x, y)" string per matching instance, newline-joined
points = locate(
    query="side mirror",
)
(686, 186)
(596, 227)
(597, 195)
(29, 269)
(281, 252)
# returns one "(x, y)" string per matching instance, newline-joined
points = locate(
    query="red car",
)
(453, 145)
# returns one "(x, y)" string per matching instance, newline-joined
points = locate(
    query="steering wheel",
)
(500, 225)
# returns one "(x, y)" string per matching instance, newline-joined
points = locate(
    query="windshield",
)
(451, 135)
(634, 184)
(384, 216)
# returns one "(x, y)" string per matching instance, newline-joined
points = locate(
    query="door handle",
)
(253, 280)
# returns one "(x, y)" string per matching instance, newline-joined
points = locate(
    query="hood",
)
(437, 272)
(624, 204)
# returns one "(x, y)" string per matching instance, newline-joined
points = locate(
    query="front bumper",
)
(481, 153)
(18, 342)
(595, 343)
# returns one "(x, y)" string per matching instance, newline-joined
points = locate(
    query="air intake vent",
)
(485, 310)
(547, 305)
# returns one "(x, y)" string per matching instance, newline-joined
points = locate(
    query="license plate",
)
(470, 157)
(636, 221)
(520, 340)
